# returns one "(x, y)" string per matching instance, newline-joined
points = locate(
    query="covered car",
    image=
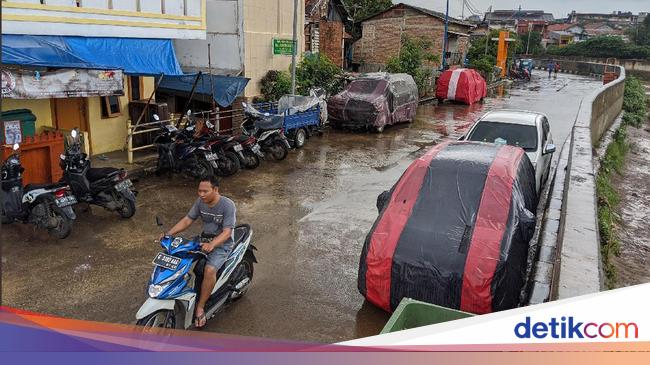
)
(462, 84)
(453, 231)
(375, 100)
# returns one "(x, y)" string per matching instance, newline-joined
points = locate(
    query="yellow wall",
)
(40, 108)
(263, 21)
(109, 134)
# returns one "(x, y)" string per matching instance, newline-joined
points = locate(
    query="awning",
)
(134, 56)
(225, 88)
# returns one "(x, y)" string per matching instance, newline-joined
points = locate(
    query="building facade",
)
(382, 35)
(141, 24)
(241, 34)
(325, 30)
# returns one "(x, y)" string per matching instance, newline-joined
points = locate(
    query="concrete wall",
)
(225, 35)
(263, 21)
(639, 67)
(577, 268)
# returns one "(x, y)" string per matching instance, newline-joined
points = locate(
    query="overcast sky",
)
(559, 8)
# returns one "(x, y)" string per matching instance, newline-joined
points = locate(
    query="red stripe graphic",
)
(387, 232)
(490, 226)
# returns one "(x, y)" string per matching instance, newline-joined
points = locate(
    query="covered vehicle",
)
(453, 231)
(375, 100)
(462, 84)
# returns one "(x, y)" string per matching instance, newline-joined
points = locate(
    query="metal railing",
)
(215, 117)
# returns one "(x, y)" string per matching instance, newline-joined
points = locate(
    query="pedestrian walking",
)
(557, 68)
(550, 67)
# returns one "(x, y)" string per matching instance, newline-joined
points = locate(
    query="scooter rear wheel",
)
(128, 208)
(64, 225)
(251, 161)
(279, 150)
(159, 319)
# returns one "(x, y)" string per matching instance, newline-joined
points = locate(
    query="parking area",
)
(309, 213)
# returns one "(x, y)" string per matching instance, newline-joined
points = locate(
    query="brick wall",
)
(381, 36)
(331, 41)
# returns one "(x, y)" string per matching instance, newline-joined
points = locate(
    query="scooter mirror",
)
(16, 146)
(244, 105)
(266, 114)
(74, 133)
(156, 117)
(189, 112)
(159, 221)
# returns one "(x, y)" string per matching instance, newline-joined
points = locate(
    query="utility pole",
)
(487, 35)
(295, 47)
(446, 40)
(530, 27)
(462, 12)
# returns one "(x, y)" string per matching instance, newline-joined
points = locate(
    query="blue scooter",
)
(175, 283)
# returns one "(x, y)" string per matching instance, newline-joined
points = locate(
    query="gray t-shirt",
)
(215, 218)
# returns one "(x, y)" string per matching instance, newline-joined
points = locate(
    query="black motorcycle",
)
(268, 132)
(106, 187)
(179, 153)
(47, 206)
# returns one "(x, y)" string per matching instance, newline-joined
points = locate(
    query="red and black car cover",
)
(454, 230)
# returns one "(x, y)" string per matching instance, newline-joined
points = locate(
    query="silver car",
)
(526, 129)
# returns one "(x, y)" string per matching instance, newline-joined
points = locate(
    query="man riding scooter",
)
(217, 214)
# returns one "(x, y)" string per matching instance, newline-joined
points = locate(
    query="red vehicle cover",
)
(454, 230)
(461, 84)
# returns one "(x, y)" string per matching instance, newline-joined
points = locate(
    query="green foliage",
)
(484, 65)
(413, 58)
(479, 60)
(275, 84)
(603, 46)
(361, 9)
(316, 70)
(640, 34)
(534, 48)
(612, 162)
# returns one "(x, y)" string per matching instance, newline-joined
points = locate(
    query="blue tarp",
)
(134, 56)
(226, 88)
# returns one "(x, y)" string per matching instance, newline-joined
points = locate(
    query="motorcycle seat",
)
(95, 174)
(241, 234)
(30, 187)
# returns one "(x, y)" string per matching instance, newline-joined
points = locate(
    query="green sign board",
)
(283, 47)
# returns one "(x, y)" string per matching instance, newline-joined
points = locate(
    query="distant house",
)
(559, 38)
(524, 26)
(615, 17)
(382, 34)
(601, 29)
(325, 30)
(576, 31)
(510, 18)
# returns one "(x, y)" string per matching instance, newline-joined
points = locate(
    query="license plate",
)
(256, 148)
(166, 261)
(211, 156)
(237, 148)
(66, 201)
(124, 185)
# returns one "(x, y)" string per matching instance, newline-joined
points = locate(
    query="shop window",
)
(136, 88)
(111, 106)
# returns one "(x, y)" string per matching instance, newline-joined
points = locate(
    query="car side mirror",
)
(382, 200)
(159, 222)
(550, 148)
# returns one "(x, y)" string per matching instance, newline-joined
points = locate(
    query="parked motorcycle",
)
(235, 146)
(175, 283)
(47, 206)
(106, 187)
(226, 162)
(520, 74)
(267, 130)
(178, 153)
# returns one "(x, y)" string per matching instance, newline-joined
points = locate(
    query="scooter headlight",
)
(155, 290)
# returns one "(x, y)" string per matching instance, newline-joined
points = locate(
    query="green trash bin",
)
(27, 122)
(412, 313)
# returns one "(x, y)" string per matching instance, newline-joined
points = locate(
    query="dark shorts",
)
(219, 255)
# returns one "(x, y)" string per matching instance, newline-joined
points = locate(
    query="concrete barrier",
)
(570, 223)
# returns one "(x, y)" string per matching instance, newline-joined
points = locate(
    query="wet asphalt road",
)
(310, 214)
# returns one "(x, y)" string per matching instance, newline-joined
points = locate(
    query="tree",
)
(361, 9)
(535, 46)
(316, 70)
(641, 33)
(602, 47)
(413, 58)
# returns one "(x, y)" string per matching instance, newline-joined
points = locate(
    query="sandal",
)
(200, 321)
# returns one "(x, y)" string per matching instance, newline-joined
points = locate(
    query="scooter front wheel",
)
(159, 319)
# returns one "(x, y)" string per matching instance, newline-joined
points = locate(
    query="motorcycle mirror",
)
(74, 133)
(156, 117)
(189, 112)
(266, 114)
(16, 146)
(159, 222)
(244, 105)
